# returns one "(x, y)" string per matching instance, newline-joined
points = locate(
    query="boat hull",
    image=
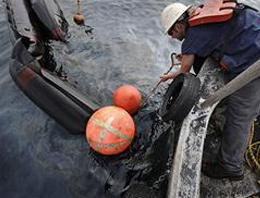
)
(51, 100)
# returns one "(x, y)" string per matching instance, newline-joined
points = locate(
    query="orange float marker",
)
(78, 18)
(127, 97)
(110, 130)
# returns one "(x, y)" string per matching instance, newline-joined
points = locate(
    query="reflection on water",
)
(39, 158)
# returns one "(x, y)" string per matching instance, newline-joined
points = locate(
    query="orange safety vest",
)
(213, 11)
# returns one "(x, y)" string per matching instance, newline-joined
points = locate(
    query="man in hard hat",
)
(235, 44)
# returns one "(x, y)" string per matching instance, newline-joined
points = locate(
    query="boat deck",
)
(224, 188)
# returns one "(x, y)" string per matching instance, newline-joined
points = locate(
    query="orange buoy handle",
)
(213, 11)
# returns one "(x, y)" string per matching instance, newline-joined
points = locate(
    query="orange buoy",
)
(78, 18)
(110, 130)
(127, 97)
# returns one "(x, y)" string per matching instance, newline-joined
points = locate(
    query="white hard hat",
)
(171, 14)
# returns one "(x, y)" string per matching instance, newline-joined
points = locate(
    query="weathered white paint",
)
(186, 168)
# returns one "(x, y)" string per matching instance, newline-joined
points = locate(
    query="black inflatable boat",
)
(33, 22)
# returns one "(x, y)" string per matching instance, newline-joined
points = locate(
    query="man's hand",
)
(168, 76)
(186, 63)
(165, 77)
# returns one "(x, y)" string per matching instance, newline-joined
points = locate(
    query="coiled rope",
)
(252, 154)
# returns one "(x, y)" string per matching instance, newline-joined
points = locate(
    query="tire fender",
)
(180, 97)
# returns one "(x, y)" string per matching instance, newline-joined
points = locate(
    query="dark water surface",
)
(38, 158)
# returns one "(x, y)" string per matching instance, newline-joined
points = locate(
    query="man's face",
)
(177, 31)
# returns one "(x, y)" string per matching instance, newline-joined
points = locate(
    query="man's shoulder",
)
(200, 31)
(207, 27)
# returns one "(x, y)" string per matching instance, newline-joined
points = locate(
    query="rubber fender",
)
(66, 112)
(180, 97)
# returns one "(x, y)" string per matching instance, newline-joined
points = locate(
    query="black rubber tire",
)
(180, 97)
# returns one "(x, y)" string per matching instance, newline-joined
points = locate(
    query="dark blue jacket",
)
(235, 43)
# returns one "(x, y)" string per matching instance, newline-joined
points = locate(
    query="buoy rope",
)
(79, 7)
(252, 154)
(143, 102)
